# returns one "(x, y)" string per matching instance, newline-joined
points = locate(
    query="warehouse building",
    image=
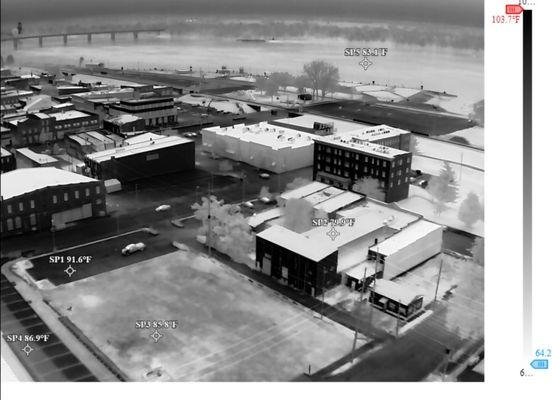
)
(81, 144)
(262, 145)
(124, 123)
(350, 247)
(43, 198)
(143, 159)
(26, 158)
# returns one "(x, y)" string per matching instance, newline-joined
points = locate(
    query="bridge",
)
(65, 35)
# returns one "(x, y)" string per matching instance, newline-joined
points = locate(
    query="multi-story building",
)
(143, 159)
(342, 160)
(6, 137)
(156, 111)
(124, 123)
(8, 161)
(31, 129)
(74, 121)
(44, 198)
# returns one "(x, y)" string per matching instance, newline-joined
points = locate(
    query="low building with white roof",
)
(399, 300)
(26, 158)
(44, 198)
(262, 145)
(143, 159)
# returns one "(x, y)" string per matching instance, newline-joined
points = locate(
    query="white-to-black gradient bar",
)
(527, 180)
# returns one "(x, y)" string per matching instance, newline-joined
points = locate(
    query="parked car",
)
(151, 231)
(190, 134)
(423, 183)
(264, 175)
(133, 248)
(267, 200)
(163, 207)
(248, 204)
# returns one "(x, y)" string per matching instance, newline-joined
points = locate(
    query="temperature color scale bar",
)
(527, 179)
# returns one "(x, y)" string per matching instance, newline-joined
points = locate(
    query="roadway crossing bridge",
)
(112, 32)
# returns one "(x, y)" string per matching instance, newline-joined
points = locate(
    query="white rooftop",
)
(304, 191)
(5, 152)
(405, 237)
(340, 201)
(70, 114)
(265, 134)
(401, 293)
(296, 243)
(145, 137)
(308, 120)
(123, 119)
(36, 157)
(375, 133)
(322, 195)
(349, 142)
(137, 148)
(260, 218)
(25, 180)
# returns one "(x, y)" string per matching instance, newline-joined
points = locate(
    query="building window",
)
(383, 174)
(399, 172)
(54, 199)
(9, 224)
(77, 194)
(384, 163)
(20, 206)
(400, 162)
(32, 219)
(97, 190)
(87, 192)
(150, 157)
(98, 201)
(65, 196)
(9, 209)
(17, 222)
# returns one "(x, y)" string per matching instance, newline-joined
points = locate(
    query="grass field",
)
(229, 328)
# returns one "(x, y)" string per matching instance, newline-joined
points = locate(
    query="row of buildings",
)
(341, 153)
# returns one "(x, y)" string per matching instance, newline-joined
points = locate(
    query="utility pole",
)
(438, 278)
(209, 220)
(360, 303)
(374, 288)
(53, 229)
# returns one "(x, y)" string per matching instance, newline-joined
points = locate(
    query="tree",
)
(443, 188)
(298, 215)
(323, 77)
(297, 183)
(414, 145)
(226, 230)
(478, 251)
(471, 210)
(370, 187)
(266, 85)
(282, 79)
(302, 82)
(10, 60)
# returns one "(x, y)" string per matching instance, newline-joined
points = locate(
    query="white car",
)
(164, 207)
(133, 248)
(248, 204)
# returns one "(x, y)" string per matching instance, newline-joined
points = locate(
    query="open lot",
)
(229, 328)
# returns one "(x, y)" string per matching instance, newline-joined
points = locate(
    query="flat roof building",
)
(261, 145)
(156, 111)
(41, 198)
(343, 160)
(26, 158)
(7, 162)
(143, 159)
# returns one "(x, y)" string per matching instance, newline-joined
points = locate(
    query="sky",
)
(457, 12)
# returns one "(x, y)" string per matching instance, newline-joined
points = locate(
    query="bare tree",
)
(323, 76)
(302, 82)
(282, 79)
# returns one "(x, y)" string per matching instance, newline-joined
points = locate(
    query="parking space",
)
(106, 256)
